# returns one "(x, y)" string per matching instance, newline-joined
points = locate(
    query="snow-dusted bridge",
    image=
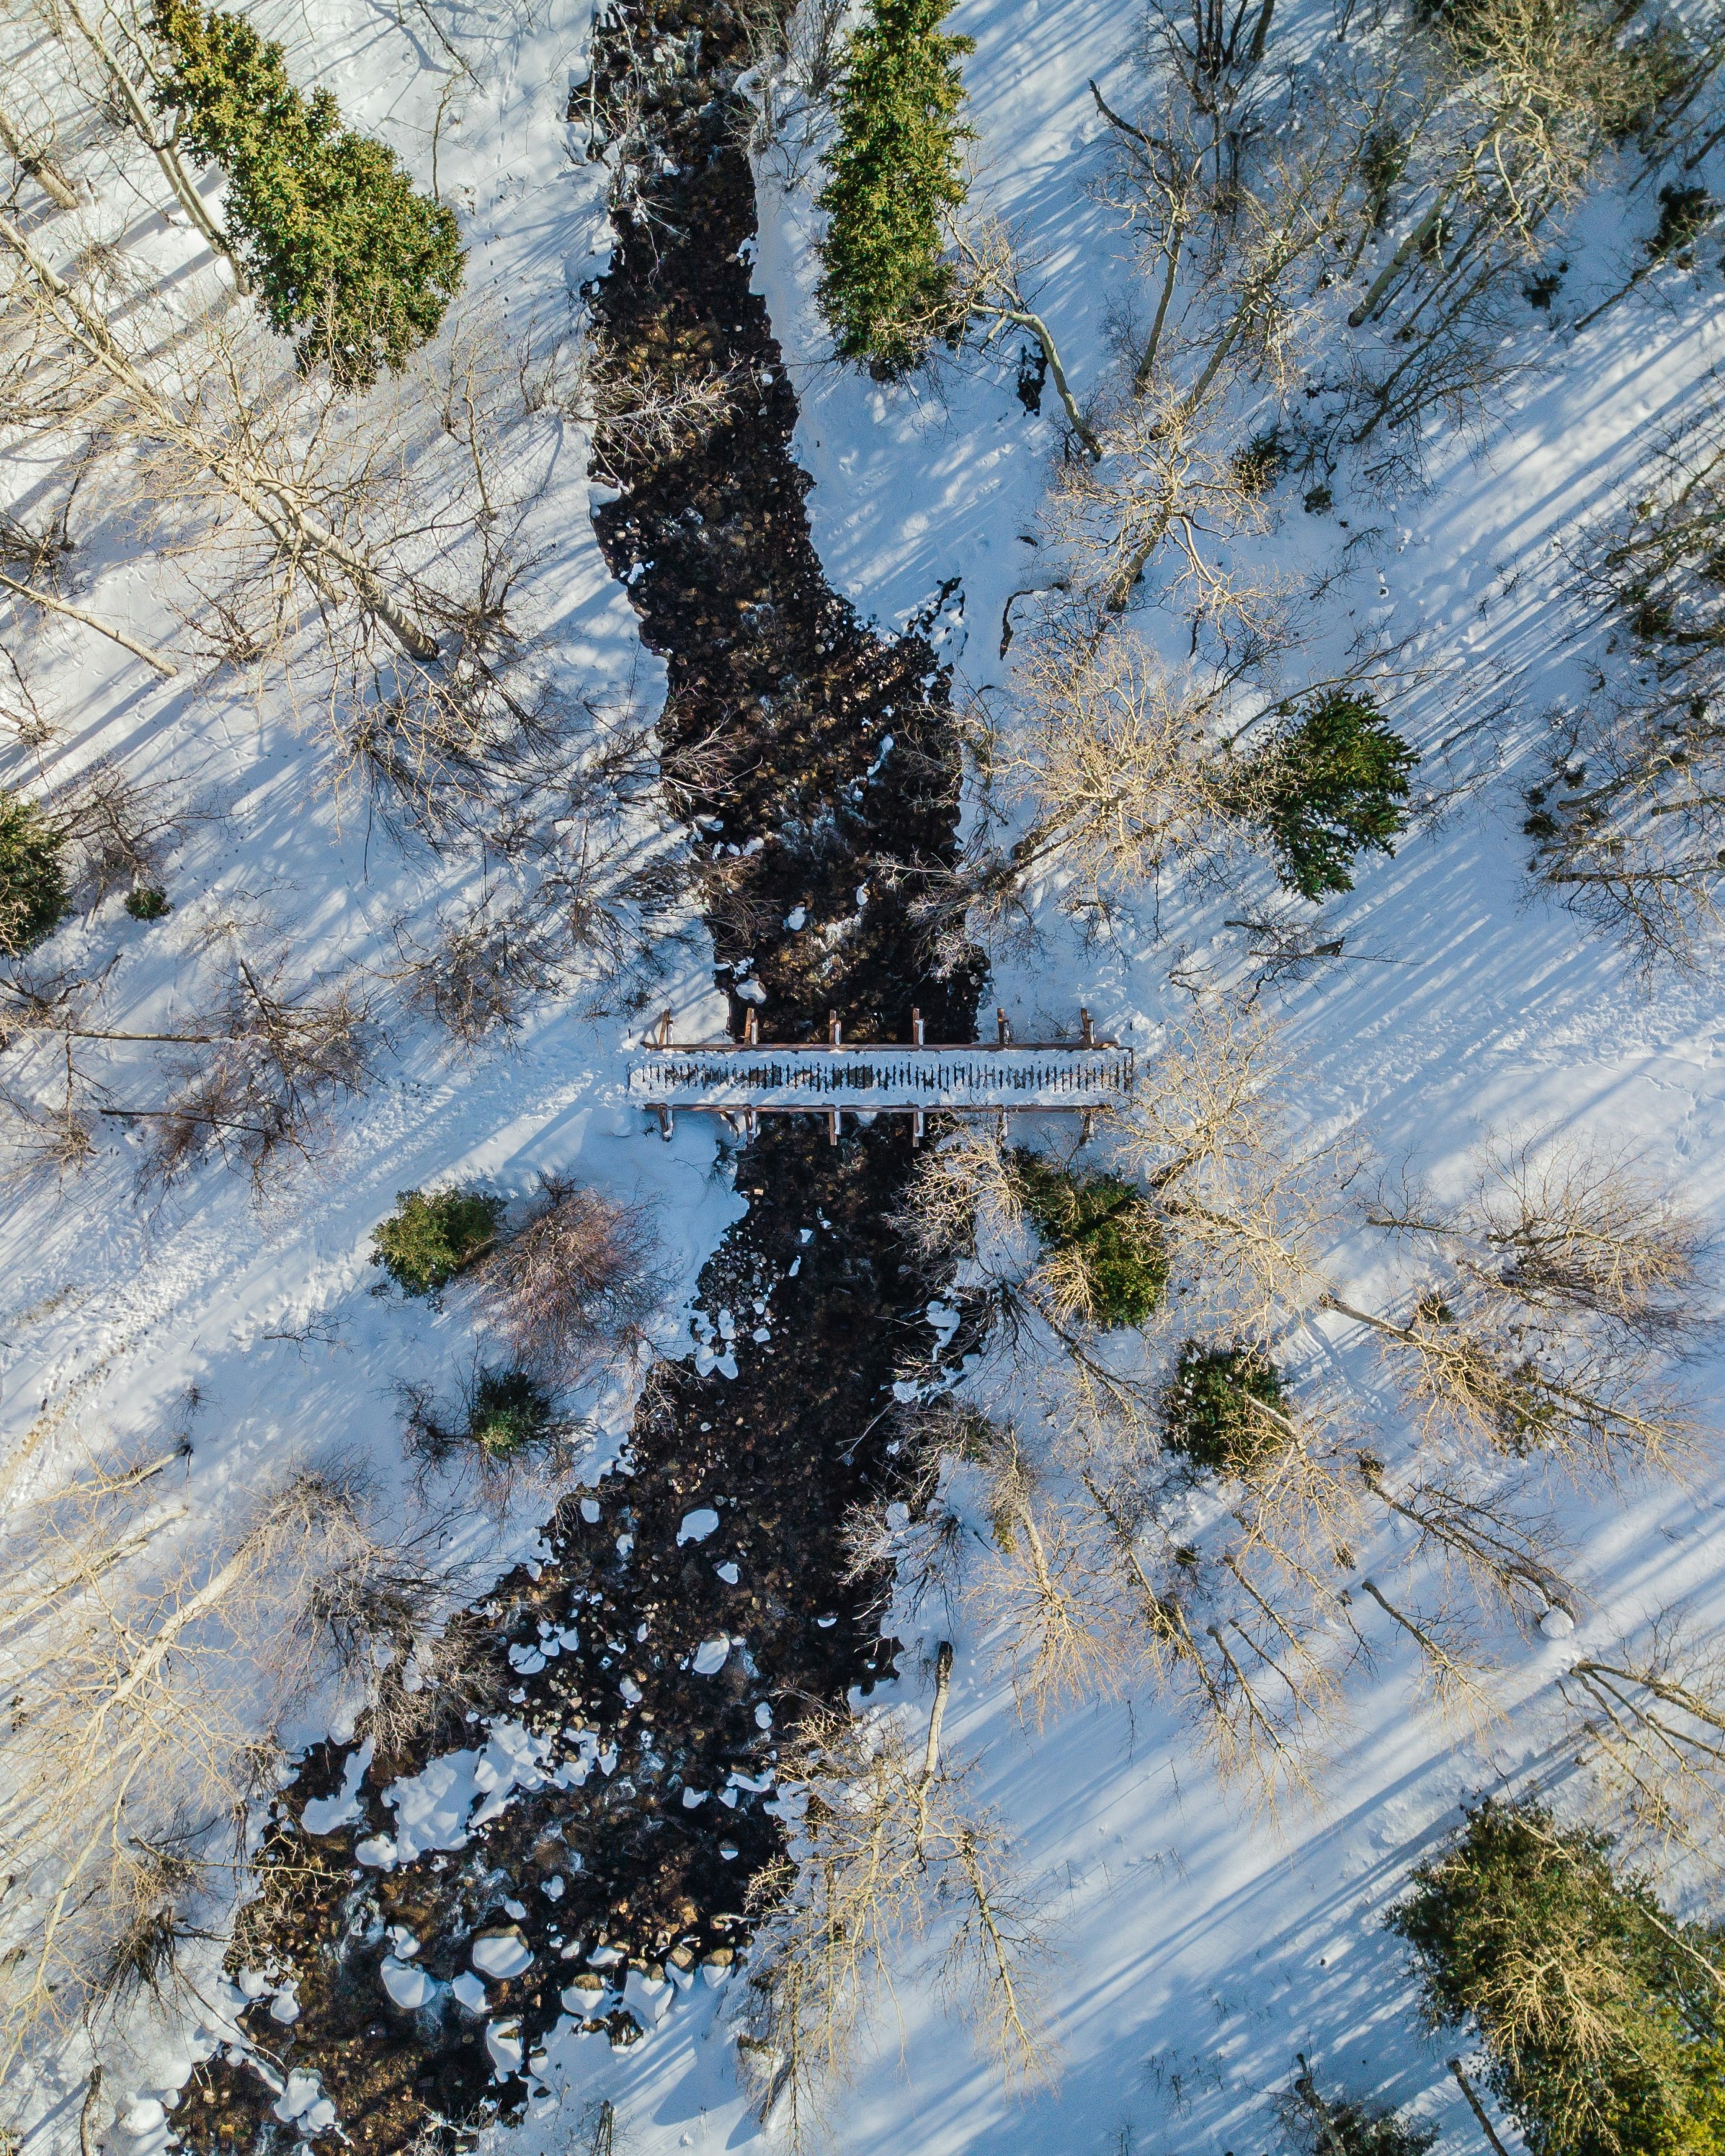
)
(744, 1078)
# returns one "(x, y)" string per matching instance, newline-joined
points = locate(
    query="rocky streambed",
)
(694, 1603)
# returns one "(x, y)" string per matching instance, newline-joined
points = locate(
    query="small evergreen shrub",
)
(1111, 1263)
(1323, 2128)
(146, 903)
(32, 885)
(1597, 2013)
(506, 1426)
(1207, 1414)
(1328, 788)
(348, 258)
(887, 290)
(1260, 463)
(1684, 214)
(507, 1413)
(431, 1236)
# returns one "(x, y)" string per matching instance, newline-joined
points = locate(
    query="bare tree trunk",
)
(165, 667)
(44, 170)
(1477, 2108)
(1024, 319)
(1380, 283)
(300, 535)
(166, 155)
(1147, 365)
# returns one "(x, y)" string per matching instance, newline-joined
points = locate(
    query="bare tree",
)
(1628, 831)
(574, 1284)
(888, 1852)
(141, 1673)
(796, 54)
(1564, 1284)
(270, 1067)
(1649, 1719)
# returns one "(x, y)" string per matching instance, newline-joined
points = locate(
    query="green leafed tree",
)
(1223, 1408)
(433, 1235)
(1600, 2015)
(348, 259)
(888, 291)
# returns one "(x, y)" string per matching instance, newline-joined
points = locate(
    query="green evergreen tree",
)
(1336, 782)
(33, 887)
(346, 258)
(507, 1412)
(431, 1236)
(1114, 1262)
(888, 291)
(1601, 2016)
(1211, 1407)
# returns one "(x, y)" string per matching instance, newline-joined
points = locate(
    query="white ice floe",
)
(500, 1954)
(409, 1986)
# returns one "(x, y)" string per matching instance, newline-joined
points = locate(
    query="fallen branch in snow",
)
(50, 604)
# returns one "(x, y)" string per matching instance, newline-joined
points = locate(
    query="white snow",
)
(408, 1986)
(1192, 1949)
(697, 1525)
(500, 1953)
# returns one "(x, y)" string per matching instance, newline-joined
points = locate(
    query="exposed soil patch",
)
(658, 1663)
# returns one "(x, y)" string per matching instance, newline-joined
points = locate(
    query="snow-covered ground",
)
(118, 1300)
(1192, 1949)
(248, 1323)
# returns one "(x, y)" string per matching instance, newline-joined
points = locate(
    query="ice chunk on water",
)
(501, 1953)
(409, 1987)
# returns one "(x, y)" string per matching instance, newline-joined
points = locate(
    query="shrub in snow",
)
(507, 1412)
(506, 1427)
(264, 1082)
(1328, 788)
(888, 290)
(1106, 1259)
(1603, 2018)
(431, 1236)
(33, 887)
(346, 256)
(575, 1283)
(146, 903)
(1322, 2128)
(1223, 1408)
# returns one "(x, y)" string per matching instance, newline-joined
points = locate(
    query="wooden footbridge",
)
(743, 1079)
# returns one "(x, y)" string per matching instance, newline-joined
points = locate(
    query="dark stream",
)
(790, 722)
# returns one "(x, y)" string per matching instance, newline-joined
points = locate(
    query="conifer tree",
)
(888, 289)
(33, 888)
(1330, 786)
(1600, 2016)
(345, 256)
